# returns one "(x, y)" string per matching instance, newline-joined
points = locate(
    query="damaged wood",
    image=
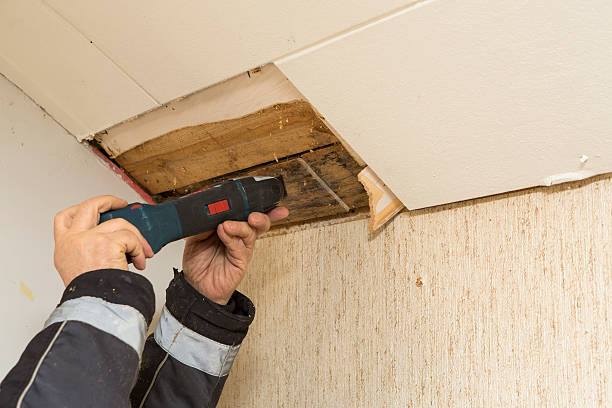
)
(384, 205)
(206, 151)
(339, 170)
(323, 184)
(306, 198)
(256, 123)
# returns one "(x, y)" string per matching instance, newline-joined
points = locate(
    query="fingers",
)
(238, 239)
(240, 230)
(130, 244)
(260, 222)
(63, 221)
(119, 224)
(278, 213)
(88, 212)
(257, 224)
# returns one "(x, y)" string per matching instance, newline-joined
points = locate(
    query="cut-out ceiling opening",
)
(253, 124)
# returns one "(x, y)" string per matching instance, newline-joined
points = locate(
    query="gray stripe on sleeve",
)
(122, 321)
(193, 349)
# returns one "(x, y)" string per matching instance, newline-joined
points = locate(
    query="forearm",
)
(88, 352)
(187, 361)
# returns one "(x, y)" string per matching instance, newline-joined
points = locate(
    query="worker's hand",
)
(81, 245)
(215, 262)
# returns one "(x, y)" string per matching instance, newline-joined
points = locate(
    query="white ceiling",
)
(65, 74)
(445, 100)
(94, 63)
(451, 100)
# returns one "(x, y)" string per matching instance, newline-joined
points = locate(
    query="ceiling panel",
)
(231, 99)
(62, 71)
(448, 101)
(173, 48)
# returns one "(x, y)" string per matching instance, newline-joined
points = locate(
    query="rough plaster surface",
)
(498, 302)
(451, 100)
(42, 171)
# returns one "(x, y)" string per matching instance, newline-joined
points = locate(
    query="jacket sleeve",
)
(187, 361)
(88, 351)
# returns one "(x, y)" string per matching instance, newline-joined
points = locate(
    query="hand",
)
(81, 245)
(215, 262)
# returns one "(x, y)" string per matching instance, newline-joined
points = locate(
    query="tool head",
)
(264, 193)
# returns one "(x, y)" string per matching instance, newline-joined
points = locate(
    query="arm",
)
(88, 351)
(187, 361)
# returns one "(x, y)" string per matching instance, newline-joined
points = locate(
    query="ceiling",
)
(451, 100)
(445, 100)
(93, 64)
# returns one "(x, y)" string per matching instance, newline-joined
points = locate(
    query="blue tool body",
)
(201, 211)
(159, 224)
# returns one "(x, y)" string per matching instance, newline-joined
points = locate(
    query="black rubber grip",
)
(231, 200)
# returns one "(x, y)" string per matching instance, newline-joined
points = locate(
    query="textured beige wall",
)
(514, 308)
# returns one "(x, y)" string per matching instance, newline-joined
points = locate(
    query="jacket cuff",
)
(117, 302)
(223, 324)
(114, 286)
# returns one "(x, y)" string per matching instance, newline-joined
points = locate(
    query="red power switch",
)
(218, 207)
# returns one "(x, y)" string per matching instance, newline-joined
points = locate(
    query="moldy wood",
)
(306, 197)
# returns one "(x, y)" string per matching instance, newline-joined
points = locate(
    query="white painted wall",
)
(43, 170)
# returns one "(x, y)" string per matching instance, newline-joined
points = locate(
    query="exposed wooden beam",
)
(191, 154)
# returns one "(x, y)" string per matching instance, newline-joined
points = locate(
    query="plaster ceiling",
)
(444, 100)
